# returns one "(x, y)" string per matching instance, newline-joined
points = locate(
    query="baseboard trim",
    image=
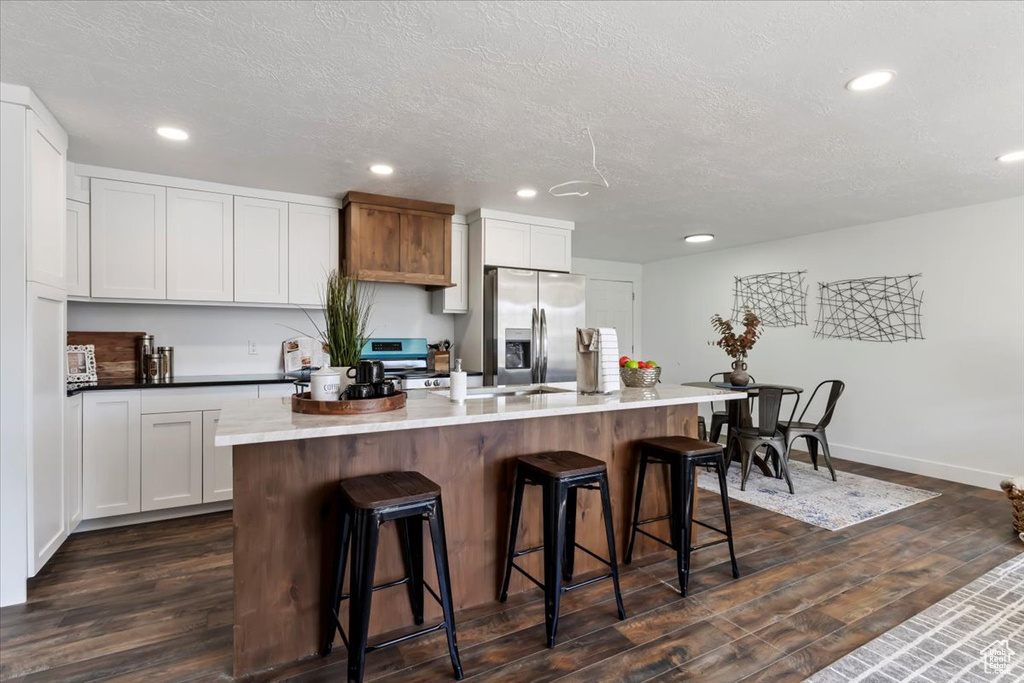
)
(929, 468)
(151, 516)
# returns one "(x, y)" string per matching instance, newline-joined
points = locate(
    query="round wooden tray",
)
(302, 403)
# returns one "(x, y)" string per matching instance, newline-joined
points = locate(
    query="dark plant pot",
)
(739, 377)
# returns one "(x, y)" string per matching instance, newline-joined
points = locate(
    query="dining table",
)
(739, 413)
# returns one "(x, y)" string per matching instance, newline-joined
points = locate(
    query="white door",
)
(111, 453)
(217, 475)
(261, 251)
(313, 252)
(550, 248)
(45, 357)
(172, 460)
(73, 460)
(610, 304)
(506, 244)
(129, 240)
(47, 176)
(200, 245)
(77, 248)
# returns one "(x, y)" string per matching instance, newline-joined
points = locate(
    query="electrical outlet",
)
(253, 349)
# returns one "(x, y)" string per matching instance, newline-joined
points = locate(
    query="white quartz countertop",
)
(271, 419)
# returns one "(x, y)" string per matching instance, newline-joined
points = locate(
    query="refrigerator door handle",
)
(534, 348)
(544, 345)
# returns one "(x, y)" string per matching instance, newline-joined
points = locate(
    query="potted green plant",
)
(737, 346)
(347, 307)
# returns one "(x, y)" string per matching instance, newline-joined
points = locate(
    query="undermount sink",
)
(503, 392)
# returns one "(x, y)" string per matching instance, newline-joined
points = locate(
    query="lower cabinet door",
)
(216, 461)
(172, 460)
(111, 452)
(73, 460)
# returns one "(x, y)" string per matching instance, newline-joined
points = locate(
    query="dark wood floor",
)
(154, 603)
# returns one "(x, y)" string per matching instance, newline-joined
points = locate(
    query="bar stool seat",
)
(683, 455)
(560, 474)
(408, 498)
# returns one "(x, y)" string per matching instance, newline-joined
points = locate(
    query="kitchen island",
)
(287, 467)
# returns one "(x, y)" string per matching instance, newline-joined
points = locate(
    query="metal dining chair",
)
(766, 433)
(814, 432)
(719, 418)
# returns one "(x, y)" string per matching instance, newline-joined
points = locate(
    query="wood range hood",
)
(392, 239)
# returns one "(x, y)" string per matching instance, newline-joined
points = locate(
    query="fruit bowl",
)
(640, 377)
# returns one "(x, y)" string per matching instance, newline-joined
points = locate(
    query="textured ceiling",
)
(708, 116)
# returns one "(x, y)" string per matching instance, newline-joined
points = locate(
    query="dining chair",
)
(766, 433)
(814, 432)
(720, 418)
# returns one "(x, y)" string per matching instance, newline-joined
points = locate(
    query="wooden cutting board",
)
(115, 352)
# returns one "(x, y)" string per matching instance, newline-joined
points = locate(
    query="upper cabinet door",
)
(506, 244)
(200, 246)
(261, 251)
(129, 240)
(313, 251)
(550, 248)
(47, 175)
(374, 241)
(455, 299)
(426, 246)
(77, 248)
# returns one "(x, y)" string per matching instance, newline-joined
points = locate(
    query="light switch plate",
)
(253, 349)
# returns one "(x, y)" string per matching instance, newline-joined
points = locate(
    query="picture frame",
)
(81, 363)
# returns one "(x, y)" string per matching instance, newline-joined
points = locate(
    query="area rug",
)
(818, 500)
(973, 635)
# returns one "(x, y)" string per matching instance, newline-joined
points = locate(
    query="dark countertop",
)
(179, 382)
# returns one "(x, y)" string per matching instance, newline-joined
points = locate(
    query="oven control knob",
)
(437, 382)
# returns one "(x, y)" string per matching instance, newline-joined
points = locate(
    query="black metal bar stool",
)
(683, 455)
(561, 475)
(366, 503)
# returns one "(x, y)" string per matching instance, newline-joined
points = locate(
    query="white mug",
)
(325, 385)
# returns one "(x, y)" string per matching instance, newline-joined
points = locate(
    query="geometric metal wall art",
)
(877, 309)
(779, 299)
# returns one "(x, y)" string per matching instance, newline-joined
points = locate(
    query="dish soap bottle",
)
(457, 390)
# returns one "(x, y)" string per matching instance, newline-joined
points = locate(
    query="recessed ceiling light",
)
(526, 193)
(382, 169)
(870, 81)
(1009, 157)
(172, 133)
(702, 237)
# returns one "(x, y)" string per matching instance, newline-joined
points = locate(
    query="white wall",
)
(950, 406)
(212, 340)
(619, 270)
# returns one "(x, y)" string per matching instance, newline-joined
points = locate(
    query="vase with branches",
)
(737, 346)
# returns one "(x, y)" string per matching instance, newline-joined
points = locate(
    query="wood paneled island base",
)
(285, 515)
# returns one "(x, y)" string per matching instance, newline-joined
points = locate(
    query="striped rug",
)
(976, 635)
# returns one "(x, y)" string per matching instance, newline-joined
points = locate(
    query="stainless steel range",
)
(405, 361)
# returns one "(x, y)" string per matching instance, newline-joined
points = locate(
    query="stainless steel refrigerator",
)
(530, 321)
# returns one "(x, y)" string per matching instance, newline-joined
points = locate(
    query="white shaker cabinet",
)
(506, 244)
(550, 248)
(200, 245)
(44, 357)
(172, 460)
(47, 179)
(129, 240)
(456, 299)
(217, 477)
(73, 460)
(313, 251)
(261, 251)
(111, 452)
(77, 248)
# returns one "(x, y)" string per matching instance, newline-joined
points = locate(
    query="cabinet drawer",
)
(191, 399)
(276, 390)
